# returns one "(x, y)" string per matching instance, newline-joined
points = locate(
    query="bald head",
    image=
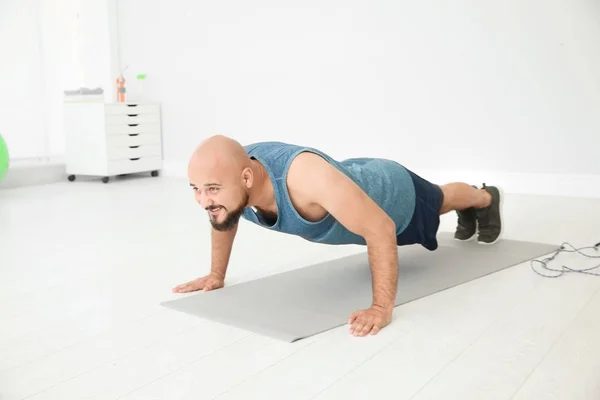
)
(219, 153)
(220, 171)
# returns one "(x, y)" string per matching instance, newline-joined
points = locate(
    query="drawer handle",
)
(133, 134)
(132, 115)
(132, 105)
(134, 159)
(133, 147)
(133, 124)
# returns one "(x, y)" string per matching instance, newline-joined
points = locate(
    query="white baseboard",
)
(569, 185)
(34, 171)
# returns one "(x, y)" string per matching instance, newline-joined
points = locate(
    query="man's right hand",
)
(206, 283)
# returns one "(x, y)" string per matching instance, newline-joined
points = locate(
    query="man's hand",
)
(369, 321)
(206, 283)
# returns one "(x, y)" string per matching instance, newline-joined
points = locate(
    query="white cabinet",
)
(108, 139)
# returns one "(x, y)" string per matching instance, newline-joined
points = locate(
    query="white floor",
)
(83, 267)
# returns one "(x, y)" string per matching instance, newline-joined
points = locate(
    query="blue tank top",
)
(387, 182)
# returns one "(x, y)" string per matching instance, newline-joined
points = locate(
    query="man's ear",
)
(247, 177)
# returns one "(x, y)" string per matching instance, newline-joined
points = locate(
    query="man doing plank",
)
(302, 191)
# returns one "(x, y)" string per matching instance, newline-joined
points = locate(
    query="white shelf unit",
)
(109, 139)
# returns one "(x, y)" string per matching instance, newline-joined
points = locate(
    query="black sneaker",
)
(489, 219)
(467, 224)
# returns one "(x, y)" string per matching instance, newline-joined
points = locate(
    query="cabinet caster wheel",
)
(105, 179)
(71, 178)
(154, 173)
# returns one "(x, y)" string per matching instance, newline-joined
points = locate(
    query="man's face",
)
(224, 200)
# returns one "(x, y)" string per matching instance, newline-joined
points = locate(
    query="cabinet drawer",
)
(132, 152)
(127, 166)
(130, 108)
(133, 140)
(133, 129)
(131, 119)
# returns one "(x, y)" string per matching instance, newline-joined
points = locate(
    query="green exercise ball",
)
(3, 158)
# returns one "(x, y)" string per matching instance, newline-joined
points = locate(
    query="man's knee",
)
(448, 195)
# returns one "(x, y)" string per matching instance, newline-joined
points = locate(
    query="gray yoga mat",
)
(303, 302)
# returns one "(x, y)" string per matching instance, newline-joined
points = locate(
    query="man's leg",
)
(476, 208)
(460, 196)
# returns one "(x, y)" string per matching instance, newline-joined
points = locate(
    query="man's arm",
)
(221, 245)
(315, 179)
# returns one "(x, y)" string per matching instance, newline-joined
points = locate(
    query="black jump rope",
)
(555, 273)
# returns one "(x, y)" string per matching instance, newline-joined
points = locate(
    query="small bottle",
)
(121, 89)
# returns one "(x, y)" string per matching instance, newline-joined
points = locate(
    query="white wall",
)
(98, 46)
(48, 46)
(435, 85)
(22, 115)
(39, 47)
(62, 65)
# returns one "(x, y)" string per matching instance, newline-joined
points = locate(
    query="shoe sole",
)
(500, 210)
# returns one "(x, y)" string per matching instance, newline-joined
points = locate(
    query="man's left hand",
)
(369, 321)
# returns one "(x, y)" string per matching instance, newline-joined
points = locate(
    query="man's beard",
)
(231, 218)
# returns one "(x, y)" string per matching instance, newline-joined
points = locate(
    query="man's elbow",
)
(381, 229)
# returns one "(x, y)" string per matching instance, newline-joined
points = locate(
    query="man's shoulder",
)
(265, 144)
(308, 159)
(307, 167)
